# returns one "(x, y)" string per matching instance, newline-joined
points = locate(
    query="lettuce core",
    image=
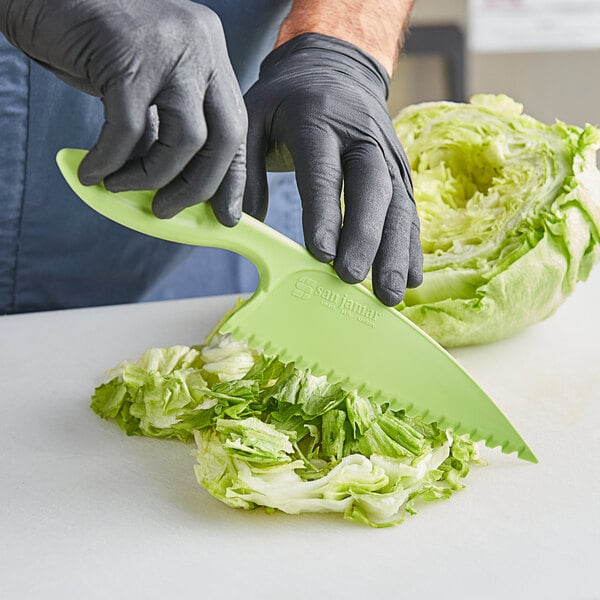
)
(510, 216)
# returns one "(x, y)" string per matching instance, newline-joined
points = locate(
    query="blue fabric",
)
(54, 251)
(14, 92)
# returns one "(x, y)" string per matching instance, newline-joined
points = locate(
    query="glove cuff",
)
(348, 53)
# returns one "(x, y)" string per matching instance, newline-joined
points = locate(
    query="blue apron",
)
(55, 252)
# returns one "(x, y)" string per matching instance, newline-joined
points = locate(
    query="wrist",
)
(321, 56)
(374, 26)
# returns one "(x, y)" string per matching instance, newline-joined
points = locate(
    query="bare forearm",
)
(375, 26)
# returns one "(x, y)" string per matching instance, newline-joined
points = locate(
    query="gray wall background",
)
(550, 85)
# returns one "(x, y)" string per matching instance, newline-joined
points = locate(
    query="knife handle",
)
(274, 254)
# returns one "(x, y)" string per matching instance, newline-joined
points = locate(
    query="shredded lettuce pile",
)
(269, 434)
(510, 216)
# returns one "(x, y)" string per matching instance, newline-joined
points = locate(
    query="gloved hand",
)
(135, 54)
(319, 105)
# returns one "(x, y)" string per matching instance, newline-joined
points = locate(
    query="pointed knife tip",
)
(526, 454)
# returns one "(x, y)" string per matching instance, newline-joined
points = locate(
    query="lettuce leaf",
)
(269, 434)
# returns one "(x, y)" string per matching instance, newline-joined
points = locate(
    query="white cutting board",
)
(87, 512)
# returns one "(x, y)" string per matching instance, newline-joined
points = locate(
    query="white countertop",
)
(87, 512)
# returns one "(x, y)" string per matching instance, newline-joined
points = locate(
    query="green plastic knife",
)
(302, 312)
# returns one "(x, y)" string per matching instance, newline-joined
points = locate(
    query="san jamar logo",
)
(305, 288)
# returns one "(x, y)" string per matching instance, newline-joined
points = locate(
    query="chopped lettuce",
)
(269, 434)
(510, 216)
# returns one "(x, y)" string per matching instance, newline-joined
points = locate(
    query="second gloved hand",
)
(135, 54)
(319, 108)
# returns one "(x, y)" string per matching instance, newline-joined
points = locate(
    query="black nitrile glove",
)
(135, 54)
(319, 105)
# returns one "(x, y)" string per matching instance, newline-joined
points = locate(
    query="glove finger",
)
(149, 136)
(226, 123)
(182, 131)
(181, 192)
(415, 261)
(318, 166)
(125, 113)
(367, 195)
(228, 200)
(391, 265)
(256, 195)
